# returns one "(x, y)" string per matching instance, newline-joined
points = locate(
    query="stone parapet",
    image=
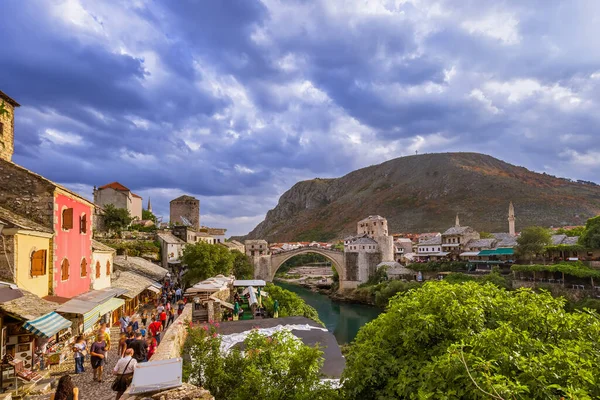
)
(173, 339)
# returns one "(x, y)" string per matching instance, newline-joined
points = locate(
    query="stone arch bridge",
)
(266, 266)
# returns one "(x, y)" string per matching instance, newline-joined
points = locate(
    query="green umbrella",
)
(276, 309)
(258, 299)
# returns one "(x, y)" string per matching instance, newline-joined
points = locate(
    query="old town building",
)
(102, 265)
(185, 210)
(119, 196)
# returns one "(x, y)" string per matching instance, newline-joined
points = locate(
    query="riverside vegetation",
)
(467, 340)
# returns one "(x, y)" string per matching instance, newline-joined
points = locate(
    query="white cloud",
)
(62, 138)
(501, 26)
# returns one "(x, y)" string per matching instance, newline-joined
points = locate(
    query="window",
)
(38, 263)
(107, 268)
(98, 269)
(64, 270)
(83, 267)
(83, 224)
(67, 218)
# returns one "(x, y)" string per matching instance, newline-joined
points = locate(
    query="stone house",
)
(218, 234)
(185, 210)
(455, 239)
(376, 227)
(426, 249)
(102, 261)
(25, 257)
(119, 196)
(256, 248)
(7, 126)
(402, 246)
(171, 248)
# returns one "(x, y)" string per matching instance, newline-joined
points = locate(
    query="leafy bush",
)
(439, 266)
(206, 260)
(465, 341)
(576, 269)
(290, 304)
(271, 368)
(136, 248)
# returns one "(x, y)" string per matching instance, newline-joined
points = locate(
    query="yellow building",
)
(25, 253)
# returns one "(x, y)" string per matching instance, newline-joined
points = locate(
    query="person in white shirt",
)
(124, 372)
(160, 308)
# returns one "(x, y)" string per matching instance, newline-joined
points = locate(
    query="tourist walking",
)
(79, 354)
(135, 326)
(122, 344)
(151, 342)
(180, 307)
(65, 390)
(178, 294)
(155, 328)
(98, 352)
(124, 322)
(144, 318)
(163, 319)
(139, 348)
(171, 317)
(124, 372)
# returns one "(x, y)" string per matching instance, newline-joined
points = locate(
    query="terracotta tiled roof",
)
(136, 195)
(115, 186)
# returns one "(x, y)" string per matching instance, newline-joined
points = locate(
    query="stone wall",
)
(26, 194)
(6, 270)
(7, 125)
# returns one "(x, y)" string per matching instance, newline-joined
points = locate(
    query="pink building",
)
(72, 244)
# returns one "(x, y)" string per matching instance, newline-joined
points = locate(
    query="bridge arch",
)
(336, 258)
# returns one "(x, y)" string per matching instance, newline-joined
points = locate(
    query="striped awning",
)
(47, 325)
(110, 305)
(90, 318)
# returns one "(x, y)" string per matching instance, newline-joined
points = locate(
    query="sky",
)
(234, 101)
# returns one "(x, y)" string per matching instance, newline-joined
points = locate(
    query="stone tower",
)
(149, 204)
(376, 227)
(185, 210)
(7, 126)
(457, 222)
(511, 219)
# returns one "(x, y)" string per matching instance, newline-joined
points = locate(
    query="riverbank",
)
(343, 319)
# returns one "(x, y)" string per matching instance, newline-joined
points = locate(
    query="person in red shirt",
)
(151, 347)
(155, 327)
(163, 319)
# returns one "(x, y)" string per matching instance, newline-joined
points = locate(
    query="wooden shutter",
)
(67, 222)
(98, 269)
(38, 263)
(83, 224)
(64, 270)
(108, 268)
(83, 267)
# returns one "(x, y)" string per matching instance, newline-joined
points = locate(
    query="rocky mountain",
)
(423, 193)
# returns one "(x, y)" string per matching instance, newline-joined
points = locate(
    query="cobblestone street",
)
(88, 388)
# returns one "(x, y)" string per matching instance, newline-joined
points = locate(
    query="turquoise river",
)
(342, 319)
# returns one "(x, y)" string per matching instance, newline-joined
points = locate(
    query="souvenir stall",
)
(53, 337)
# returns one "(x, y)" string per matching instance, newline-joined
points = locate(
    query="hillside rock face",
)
(423, 193)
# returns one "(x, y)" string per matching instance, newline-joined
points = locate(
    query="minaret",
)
(511, 219)
(149, 204)
(457, 223)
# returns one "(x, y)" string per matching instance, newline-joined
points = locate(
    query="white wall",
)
(104, 280)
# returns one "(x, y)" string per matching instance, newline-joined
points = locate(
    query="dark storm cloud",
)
(235, 101)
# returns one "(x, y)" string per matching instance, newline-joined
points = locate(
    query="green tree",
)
(533, 241)
(116, 219)
(573, 232)
(205, 260)
(290, 304)
(472, 341)
(148, 215)
(591, 235)
(486, 235)
(277, 367)
(242, 266)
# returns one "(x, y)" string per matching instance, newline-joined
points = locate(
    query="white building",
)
(102, 265)
(171, 248)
